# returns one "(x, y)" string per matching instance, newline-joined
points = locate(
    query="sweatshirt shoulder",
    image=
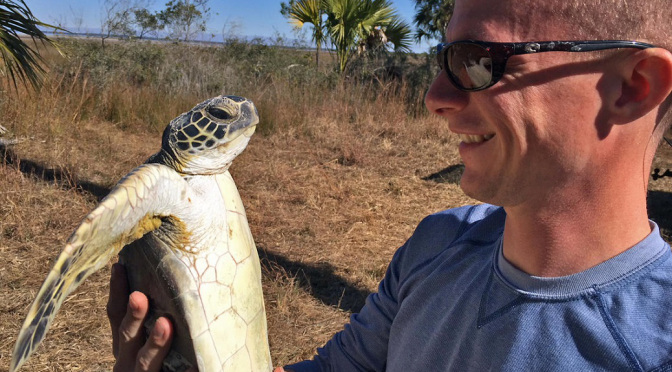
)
(482, 222)
(474, 225)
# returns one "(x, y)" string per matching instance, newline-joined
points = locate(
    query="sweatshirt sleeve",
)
(362, 344)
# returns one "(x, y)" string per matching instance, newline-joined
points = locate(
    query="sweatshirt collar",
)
(617, 268)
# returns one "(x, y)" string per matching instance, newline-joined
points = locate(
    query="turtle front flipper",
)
(134, 207)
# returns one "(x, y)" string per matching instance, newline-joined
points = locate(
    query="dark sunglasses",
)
(475, 65)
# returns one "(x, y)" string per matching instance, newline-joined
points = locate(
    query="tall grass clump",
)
(140, 86)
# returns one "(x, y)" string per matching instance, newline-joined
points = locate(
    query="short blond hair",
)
(643, 20)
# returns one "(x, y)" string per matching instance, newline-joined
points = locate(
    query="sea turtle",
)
(187, 243)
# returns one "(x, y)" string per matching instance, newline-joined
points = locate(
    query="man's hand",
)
(127, 316)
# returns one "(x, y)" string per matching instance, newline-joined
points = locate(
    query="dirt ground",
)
(326, 219)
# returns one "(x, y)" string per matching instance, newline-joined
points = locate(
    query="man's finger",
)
(155, 350)
(117, 303)
(131, 332)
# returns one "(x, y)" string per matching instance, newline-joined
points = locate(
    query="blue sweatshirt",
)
(451, 302)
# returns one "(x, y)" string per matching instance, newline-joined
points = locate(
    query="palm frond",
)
(399, 34)
(343, 23)
(21, 61)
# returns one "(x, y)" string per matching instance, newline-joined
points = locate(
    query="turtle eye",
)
(218, 113)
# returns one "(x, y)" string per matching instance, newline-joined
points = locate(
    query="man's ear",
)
(646, 81)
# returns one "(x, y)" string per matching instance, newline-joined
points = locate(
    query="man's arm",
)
(362, 345)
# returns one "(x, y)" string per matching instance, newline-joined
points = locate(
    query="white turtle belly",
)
(211, 287)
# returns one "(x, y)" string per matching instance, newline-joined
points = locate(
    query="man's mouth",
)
(475, 138)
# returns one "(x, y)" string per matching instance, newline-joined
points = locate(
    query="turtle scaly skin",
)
(187, 246)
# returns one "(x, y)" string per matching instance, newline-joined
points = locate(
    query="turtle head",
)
(206, 139)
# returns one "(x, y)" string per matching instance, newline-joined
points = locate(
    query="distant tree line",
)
(351, 26)
(183, 20)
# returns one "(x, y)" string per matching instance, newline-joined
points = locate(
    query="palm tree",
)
(308, 11)
(20, 59)
(432, 17)
(358, 23)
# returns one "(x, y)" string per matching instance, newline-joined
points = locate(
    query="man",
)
(568, 274)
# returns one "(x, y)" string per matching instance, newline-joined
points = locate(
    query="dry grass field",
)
(336, 178)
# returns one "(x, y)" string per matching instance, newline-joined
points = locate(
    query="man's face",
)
(533, 132)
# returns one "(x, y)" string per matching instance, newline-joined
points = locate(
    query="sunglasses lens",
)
(469, 65)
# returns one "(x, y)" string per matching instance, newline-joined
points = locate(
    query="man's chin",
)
(478, 189)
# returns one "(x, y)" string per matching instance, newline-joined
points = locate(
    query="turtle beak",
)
(249, 131)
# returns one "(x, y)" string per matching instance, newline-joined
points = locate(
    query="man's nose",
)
(443, 98)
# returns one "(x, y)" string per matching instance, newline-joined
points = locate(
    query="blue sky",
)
(246, 18)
